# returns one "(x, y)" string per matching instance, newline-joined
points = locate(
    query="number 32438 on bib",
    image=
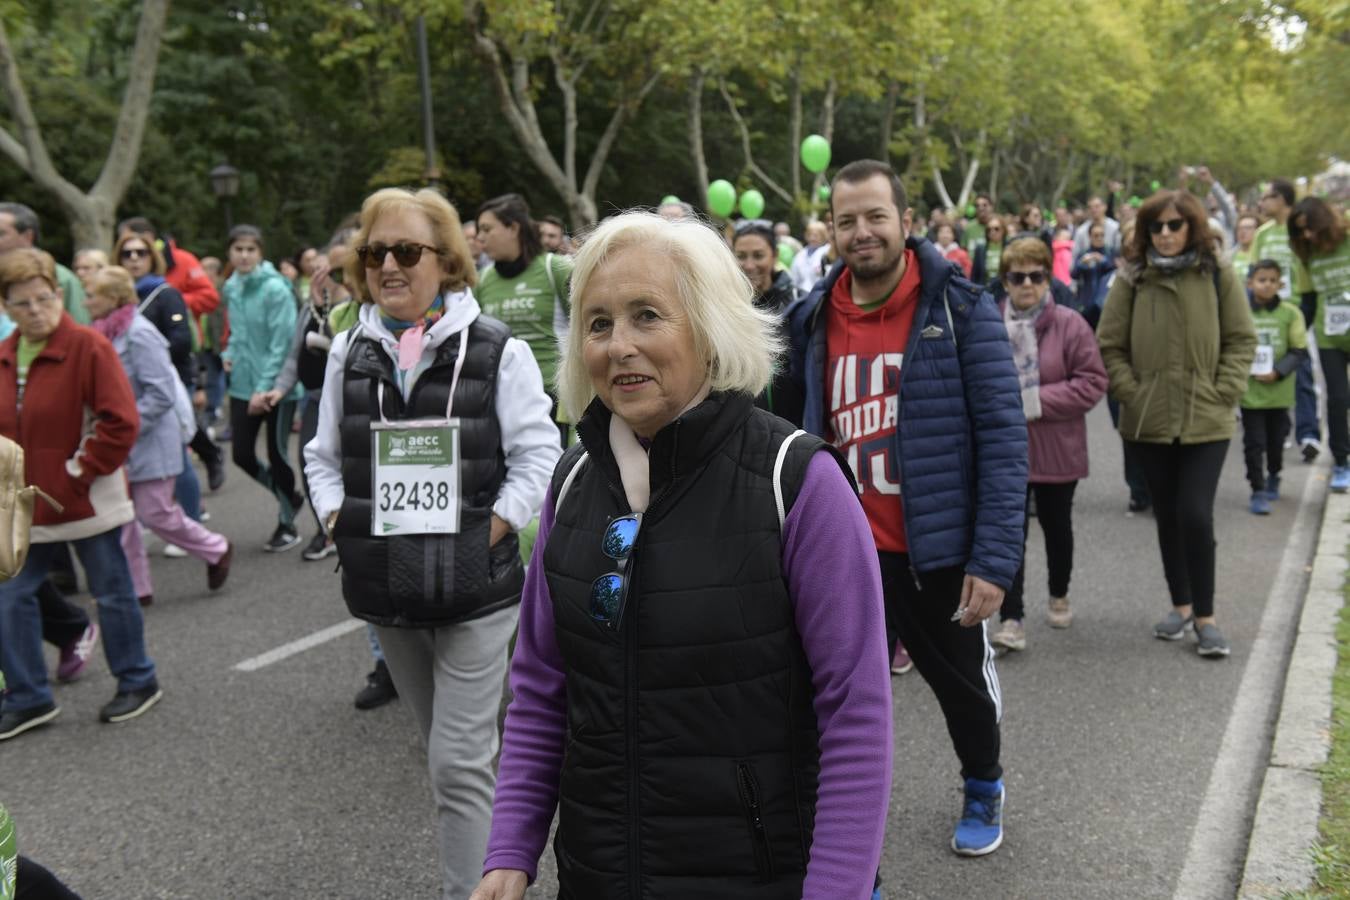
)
(415, 478)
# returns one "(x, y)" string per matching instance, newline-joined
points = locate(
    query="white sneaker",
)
(173, 551)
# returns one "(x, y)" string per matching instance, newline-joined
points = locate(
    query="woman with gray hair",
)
(700, 677)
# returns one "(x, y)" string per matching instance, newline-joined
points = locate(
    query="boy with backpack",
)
(1281, 346)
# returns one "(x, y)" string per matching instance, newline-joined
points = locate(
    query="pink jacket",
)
(1073, 380)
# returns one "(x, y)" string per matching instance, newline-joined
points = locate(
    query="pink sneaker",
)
(75, 655)
(900, 662)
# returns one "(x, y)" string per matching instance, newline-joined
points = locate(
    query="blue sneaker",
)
(980, 830)
(1340, 479)
(876, 895)
(1272, 487)
(1260, 505)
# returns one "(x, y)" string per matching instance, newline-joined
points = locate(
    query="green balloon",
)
(824, 192)
(721, 198)
(1136, 201)
(752, 204)
(970, 211)
(815, 153)
(669, 200)
(1154, 185)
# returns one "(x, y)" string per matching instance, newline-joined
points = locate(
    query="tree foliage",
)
(585, 106)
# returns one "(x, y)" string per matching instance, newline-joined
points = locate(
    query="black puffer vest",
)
(692, 754)
(427, 580)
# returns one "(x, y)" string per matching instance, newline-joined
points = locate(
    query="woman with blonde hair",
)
(433, 448)
(700, 680)
(167, 424)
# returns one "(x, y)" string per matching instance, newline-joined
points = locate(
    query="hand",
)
(199, 399)
(500, 528)
(1268, 378)
(1203, 173)
(318, 282)
(501, 884)
(271, 398)
(1114, 186)
(257, 404)
(979, 600)
(227, 365)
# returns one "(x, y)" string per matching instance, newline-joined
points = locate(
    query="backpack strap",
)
(567, 482)
(145, 304)
(778, 475)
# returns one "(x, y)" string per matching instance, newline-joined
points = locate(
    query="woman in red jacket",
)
(1062, 378)
(66, 401)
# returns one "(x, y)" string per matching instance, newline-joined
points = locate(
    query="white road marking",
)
(1214, 858)
(332, 632)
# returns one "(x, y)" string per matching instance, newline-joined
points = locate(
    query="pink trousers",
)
(157, 510)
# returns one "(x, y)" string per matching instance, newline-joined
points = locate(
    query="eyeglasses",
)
(27, 306)
(745, 225)
(135, 252)
(609, 592)
(406, 254)
(1017, 279)
(1172, 225)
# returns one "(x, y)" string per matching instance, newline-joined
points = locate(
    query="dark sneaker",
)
(1138, 504)
(980, 829)
(75, 655)
(319, 547)
(282, 540)
(215, 472)
(16, 722)
(130, 704)
(218, 571)
(1212, 642)
(1272, 487)
(379, 688)
(1173, 627)
(1311, 448)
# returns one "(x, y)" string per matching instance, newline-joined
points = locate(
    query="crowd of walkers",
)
(645, 455)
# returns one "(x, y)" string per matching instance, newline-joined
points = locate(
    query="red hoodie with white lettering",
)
(865, 349)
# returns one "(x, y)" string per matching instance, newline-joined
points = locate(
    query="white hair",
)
(738, 342)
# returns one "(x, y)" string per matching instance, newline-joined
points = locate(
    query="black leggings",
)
(1263, 434)
(1338, 401)
(277, 476)
(35, 883)
(1182, 480)
(309, 426)
(1054, 510)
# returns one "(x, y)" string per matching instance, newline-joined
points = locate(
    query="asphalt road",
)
(270, 784)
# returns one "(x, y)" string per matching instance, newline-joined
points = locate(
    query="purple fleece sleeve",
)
(536, 722)
(830, 561)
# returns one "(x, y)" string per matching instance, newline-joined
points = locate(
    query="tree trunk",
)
(744, 130)
(795, 130)
(91, 214)
(827, 132)
(695, 129)
(993, 178)
(888, 120)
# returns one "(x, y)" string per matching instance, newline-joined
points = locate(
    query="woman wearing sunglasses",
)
(700, 679)
(434, 447)
(1177, 338)
(1062, 379)
(1317, 235)
(262, 314)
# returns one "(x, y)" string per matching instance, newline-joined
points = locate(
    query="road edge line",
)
(277, 654)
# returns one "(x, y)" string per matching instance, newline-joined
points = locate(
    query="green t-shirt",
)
(974, 234)
(28, 351)
(73, 292)
(534, 305)
(1329, 276)
(1279, 329)
(1242, 262)
(1272, 242)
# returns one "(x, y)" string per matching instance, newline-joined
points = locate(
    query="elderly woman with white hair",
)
(700, 678)
(434, 447)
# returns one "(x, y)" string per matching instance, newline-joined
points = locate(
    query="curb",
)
(1279, 853)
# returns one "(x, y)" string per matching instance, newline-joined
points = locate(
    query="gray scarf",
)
(1021, 325)
(1170, 265)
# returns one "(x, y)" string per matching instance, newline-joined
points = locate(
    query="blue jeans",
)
(119, 617)
(374, 639)
(1306, 426)
(188, 489)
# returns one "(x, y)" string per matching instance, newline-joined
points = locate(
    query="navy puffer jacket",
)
(962, 438)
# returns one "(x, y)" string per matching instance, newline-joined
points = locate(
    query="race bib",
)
(1264, 361)
(1336, 320)
(415, 477)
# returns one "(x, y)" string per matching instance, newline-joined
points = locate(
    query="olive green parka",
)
(1177, 355)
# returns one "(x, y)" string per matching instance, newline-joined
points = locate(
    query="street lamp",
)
(225, 184)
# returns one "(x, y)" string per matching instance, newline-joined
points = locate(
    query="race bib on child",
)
(415, 477)
(1264, 361)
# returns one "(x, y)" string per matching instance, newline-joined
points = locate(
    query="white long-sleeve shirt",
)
(529, 437)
